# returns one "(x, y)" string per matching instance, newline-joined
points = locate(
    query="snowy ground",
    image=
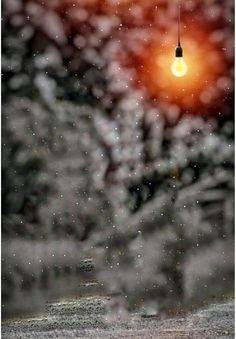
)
(87, 318)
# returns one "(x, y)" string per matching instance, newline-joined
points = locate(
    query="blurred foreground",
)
(89, 318)
(105, 184)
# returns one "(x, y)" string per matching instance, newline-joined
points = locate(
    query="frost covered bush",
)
(88, 156)
(147, 255)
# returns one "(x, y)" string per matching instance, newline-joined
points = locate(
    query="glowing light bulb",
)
(179, 67)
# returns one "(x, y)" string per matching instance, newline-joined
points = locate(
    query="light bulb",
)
(179, 67)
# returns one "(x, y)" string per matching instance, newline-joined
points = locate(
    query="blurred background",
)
(117, 177)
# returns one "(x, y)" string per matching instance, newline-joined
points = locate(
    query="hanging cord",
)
(179, 7)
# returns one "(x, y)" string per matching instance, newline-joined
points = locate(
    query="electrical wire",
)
(179, 22)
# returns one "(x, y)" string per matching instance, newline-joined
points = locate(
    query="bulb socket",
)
(179, 52)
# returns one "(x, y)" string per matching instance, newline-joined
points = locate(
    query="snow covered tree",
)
(90, 153)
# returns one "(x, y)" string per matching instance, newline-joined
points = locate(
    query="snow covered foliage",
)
(91, 154)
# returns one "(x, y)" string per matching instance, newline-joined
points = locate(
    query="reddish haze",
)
(146, 40)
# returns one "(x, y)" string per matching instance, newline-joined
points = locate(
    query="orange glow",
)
(146, 40)
(197, 86)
